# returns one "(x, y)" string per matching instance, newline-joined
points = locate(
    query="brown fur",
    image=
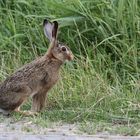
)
(34, 79)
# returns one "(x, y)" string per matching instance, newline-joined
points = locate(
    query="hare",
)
(35, 79)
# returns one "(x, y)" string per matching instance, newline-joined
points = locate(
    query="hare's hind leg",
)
(38, 101)
(25, 92)
(25, 113)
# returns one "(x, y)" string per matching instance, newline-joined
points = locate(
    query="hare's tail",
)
(4, 112)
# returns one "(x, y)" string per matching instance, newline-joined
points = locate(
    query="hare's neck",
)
(54, 64)
(53, 59)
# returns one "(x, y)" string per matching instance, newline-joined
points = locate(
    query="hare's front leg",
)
(38, 101)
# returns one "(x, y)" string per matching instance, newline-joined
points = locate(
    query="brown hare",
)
(36, 78)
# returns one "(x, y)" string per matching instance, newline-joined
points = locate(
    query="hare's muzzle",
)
(70, 57)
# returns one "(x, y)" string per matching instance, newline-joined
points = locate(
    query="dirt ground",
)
(25, 129)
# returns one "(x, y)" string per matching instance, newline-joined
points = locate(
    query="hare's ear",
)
(55, 28)
(50, 29)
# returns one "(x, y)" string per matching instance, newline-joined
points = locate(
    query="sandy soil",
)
(27, 130)
(26, 126)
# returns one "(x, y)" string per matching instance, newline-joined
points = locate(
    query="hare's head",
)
(57, 50)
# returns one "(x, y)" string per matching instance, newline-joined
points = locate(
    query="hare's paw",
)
(26, 113)
(29, 113)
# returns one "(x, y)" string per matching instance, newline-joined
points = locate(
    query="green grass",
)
(102, 84)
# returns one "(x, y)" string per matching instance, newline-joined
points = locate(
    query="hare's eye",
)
(63, 49)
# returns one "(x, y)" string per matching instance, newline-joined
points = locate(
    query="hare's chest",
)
(53, 79)
(49, 80)
(45, 84)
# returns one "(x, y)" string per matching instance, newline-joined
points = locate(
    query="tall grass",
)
(102, 83)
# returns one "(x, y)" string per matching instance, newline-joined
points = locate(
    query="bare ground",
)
(26, 129)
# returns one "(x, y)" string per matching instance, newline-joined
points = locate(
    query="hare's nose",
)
(70, 57)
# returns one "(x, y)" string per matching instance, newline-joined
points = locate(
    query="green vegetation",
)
(102, 84)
